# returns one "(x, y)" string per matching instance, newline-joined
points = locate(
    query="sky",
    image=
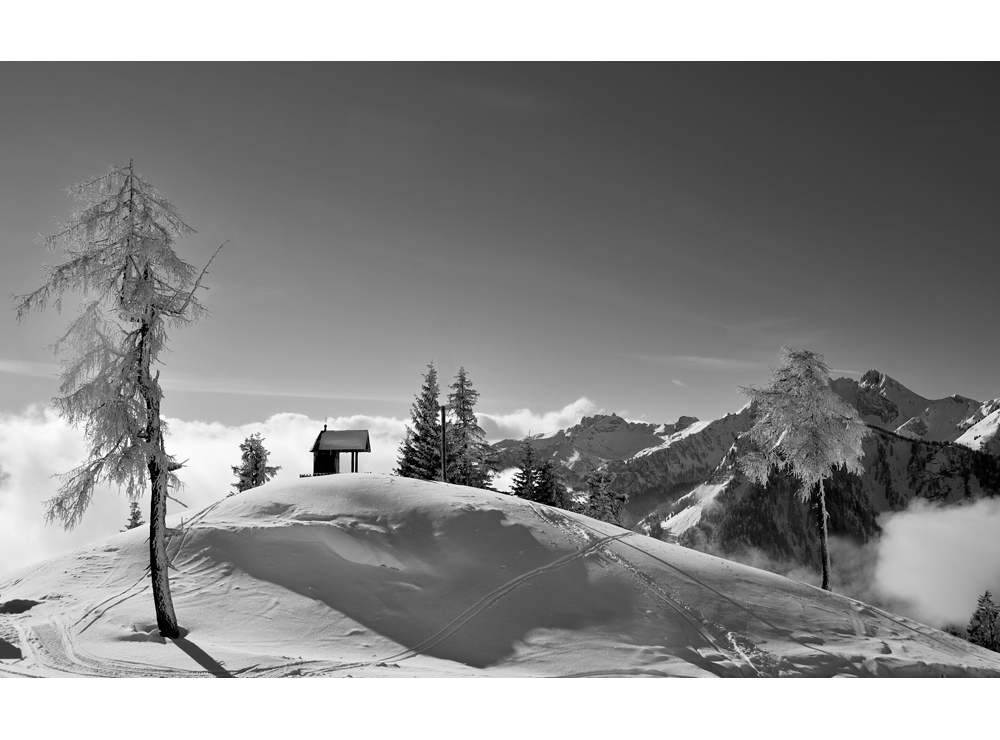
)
(644, 235)
(636, 238)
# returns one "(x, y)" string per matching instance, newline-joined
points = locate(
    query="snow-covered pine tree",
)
(603, 503)
(549, 488)
(803, 427)
(984, 627)
(420, 452)
(253, 469)
(470, 459)
(523, 484)
(119, 249)
(134, 516)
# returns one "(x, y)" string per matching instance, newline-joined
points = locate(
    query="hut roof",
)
(345, 440)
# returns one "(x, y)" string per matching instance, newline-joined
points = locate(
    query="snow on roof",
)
(343, 440)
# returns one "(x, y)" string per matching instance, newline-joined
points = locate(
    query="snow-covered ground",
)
(373, 575)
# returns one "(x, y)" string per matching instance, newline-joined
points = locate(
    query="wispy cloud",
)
(760, 326)
(30, 369)
(675, 381)
(239, 387)
(700, 363)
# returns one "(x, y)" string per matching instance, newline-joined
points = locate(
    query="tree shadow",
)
(469, 591)
(9, 651)
(202, 658)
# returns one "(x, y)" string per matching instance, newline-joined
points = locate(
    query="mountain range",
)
(685, 475)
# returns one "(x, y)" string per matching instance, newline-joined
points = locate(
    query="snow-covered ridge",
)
(593, 442)
(370, 575)
(982, 429)
(885, 402)
(686, 458)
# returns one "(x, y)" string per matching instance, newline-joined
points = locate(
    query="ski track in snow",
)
(54, 650)
(484, 603)
(50, 643)
(712, 633)
(740, 648)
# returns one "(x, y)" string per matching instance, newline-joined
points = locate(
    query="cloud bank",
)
(940, 560)
(518, 424)
(930, 564)
(36, 445)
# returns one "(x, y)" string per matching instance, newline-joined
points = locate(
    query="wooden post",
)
(444, 449)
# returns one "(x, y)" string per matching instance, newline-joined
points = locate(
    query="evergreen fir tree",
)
(470, 459)
(802, 426)
(549, 488)
(134, 516)
(655, 526)
(984, 627)
(523, 484)
(602, 502)
(120, 257)
(253, 470)
(404, 460)
(420, 452)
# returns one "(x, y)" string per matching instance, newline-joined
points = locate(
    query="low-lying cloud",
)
(36, 445)
(941, 559)
(931, 563)
(520, 423)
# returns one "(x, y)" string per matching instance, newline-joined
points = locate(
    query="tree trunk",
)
(166, 619)
(824, 546)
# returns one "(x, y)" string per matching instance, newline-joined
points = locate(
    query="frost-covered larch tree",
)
(253, 469)
(470, 460)
(420, 451)
(803, 427)
(119, 249)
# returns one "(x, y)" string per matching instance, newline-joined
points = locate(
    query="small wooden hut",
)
(330, 443)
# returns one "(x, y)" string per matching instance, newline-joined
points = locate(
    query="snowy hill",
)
(371, 575)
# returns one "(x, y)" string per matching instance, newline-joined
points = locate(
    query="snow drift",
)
(372, 575)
